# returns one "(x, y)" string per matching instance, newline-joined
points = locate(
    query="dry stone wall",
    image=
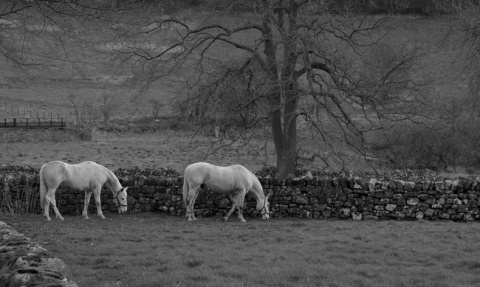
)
(308, 197)
(26, 263)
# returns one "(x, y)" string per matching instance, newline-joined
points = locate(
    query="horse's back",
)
(198, 172)
(78, 175)
(219, 177)
(205, 167)
(53, 173)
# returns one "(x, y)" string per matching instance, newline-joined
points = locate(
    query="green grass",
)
(154, 250)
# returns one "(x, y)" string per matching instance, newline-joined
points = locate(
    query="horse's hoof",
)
(225, 219)
(85, 217)
(61, 218)
(243, 220)
(48, 219)
(102, 217)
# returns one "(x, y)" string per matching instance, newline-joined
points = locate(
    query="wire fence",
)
(12, 116)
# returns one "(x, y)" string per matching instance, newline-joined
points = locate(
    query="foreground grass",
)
(154, 250)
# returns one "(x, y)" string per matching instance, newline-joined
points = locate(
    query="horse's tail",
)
(185, 191)
(43, 188)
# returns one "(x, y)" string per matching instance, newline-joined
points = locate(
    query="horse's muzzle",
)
(122, 209)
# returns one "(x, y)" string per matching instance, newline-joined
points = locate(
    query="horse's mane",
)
(256, 183)
(112, 178)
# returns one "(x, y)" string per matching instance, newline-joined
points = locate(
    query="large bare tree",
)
(297, 57)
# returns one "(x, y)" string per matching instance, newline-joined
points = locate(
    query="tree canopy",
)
(295, 59)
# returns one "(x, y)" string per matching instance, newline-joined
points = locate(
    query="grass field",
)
(150, 249)
(156, 150)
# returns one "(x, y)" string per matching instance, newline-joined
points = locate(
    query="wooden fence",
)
(32, 123)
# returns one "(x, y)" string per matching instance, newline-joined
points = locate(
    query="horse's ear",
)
(125, 189)
(270, 193)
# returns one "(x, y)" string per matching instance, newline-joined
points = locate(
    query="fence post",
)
(14, 122)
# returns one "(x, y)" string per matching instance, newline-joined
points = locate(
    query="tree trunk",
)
(275, 95)
(287, 165)
(284, 133)
(277, 134)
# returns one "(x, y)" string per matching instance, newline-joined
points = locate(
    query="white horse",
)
(235, 179)
(88, 176)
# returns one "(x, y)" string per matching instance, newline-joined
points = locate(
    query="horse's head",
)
(264, 206)
(120, 200)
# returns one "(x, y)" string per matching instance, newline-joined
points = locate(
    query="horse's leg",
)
(96, 194)
(240, 199)
(50, 198)
(86, 202)
(46, 207)
(192, 196)
(225, 218)
(193, 205)
(234, 198)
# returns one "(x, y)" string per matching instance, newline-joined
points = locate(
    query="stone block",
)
(390, 207)
(412, 201)
(357, 216)
(402, 202)
(383, 201)
(429, 212)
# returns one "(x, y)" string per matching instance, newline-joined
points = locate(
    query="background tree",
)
(107, 106)
(156, 107)
(27, 25)
(297, 58)
(453, 142)
(84, 112)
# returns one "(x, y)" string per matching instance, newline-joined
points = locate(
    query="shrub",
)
(20, 200)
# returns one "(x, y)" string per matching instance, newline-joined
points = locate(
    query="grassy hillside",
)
(89, 73)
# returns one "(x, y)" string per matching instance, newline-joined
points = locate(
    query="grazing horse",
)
(88, 176)
(235, 179)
